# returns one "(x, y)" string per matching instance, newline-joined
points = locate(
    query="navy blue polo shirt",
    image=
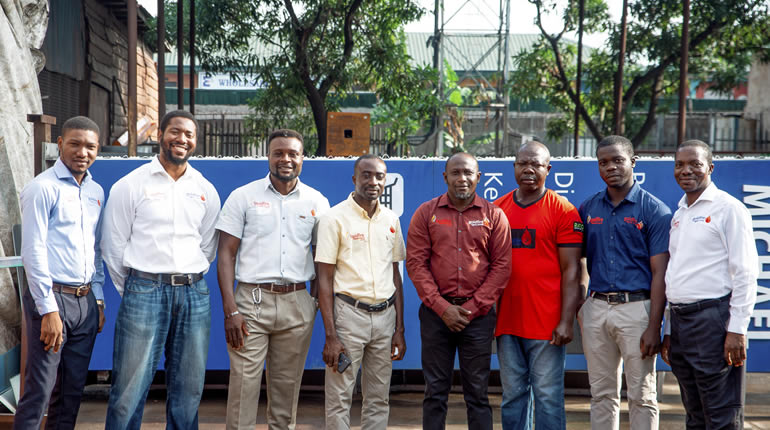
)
(619, 241)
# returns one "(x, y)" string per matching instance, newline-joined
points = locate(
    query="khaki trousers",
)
(279, 335)
(367, 338)
(611, 335)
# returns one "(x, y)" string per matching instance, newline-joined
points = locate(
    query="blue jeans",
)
(154, 316)
(531, 368)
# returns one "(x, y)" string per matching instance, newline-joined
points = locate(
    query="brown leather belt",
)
(458, 301)
(76, 290)
(277, 288)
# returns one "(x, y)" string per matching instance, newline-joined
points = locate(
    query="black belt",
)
(175, 279)
(377, 307)
(688, 308)
(76, 290)
(458, 301)
(620, 297)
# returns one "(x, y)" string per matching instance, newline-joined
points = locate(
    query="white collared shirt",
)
(276, 231)
(713, 253)
(155, 224)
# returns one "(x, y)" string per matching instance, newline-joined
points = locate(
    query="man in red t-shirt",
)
(537, 308)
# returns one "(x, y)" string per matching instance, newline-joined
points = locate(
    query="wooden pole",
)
(578, 82)
(161, 59)
(41, 134)
(132, 78)
(180, 54)
(618, 107)
(192, 57)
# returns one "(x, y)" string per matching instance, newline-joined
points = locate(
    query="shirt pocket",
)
(264, 221)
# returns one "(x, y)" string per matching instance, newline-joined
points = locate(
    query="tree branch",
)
(650, 120)
(347, 49)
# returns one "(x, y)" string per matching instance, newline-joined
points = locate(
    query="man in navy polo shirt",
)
(625, 247)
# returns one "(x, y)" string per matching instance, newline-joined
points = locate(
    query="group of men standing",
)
(515, 270)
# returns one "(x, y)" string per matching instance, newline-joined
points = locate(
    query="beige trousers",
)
(279, 335)
(611, 335)
(367, 338)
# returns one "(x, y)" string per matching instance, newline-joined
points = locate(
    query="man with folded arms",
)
(159, 240)
(459, 259)
(64, 305)
(266, 229)
(711, 286)
(626, 250)
(359, 247)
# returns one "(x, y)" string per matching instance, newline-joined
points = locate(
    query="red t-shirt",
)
(530, 306)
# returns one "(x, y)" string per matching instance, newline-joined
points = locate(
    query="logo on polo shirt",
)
(706, 219)
(479, 223)
(257, 204)
(596, 220)
(203, 198)
(358, 236)
(578, 227)
(440, 221)
(640, 225)
(312, 212)
(392, 229)
(523, 238)
(630, 220)
(675, 224)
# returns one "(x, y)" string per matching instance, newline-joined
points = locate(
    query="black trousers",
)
(439, 346)
(712, 391)
(58, 376)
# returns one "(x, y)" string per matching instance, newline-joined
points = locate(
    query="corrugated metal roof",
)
(461, 50)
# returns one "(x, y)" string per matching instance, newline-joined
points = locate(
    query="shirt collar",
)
(156, 167)
(269, 185)
(443, 200)
(633, 196)
(359, 210)
(709, 194)
(63, 172)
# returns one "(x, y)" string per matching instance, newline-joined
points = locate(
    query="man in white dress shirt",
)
(158, 240)
(711, 287)
(266, 229)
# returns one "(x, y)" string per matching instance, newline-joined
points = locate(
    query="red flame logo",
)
(708, 218)
(526, 238)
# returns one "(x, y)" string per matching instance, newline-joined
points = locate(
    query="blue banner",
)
(412, 182)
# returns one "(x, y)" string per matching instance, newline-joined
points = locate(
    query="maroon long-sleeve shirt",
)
(459, 254)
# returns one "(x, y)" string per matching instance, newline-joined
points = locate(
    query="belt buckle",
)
(81, 290)
(378, 307)
(186, 279)
(616, 299)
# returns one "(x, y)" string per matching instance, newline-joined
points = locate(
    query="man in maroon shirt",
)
(458, 257)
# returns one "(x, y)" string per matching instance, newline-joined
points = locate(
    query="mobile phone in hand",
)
(343, 362)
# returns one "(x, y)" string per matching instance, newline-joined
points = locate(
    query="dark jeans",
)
(711, 390)
(439, 344)
(60, 375)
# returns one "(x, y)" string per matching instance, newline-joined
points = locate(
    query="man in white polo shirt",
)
(158, 240)
(266, 229)
(711, 287)
(359, 247)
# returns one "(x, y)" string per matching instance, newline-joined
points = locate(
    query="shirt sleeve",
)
(570, 229)
(117, 220)
(97, 282)
(419, 249)
(658, 230)
(232, 217)
(499, 248)
(399, 249)
(743, 264)
(208, 231)
(328, 244)
(321, 207)
(37, 203)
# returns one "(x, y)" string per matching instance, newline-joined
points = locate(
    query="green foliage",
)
(724, 34)
(304, 51)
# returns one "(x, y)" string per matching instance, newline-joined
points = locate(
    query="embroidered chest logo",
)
(440, 221)
(578, 227)
(257, 204)
(358, 236)
(596, 220)
(706, 219)
(203, 198)
(392, 229)
(675, 223)
(523, 238)
(479, 223)
(312, 212)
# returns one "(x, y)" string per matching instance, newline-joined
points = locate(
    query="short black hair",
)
(286, 132)
(700, 144)
(175, 114)
(626, 144)
(365, 157)
(456, 154)
(80, 123)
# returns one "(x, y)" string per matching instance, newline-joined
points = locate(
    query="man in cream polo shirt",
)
(266, 229)
(158, 240)
(711, 287)
(359, 247)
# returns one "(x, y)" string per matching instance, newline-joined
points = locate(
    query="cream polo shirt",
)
(276, 231)
(713, 254)
(155, 224)
(363, 249)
